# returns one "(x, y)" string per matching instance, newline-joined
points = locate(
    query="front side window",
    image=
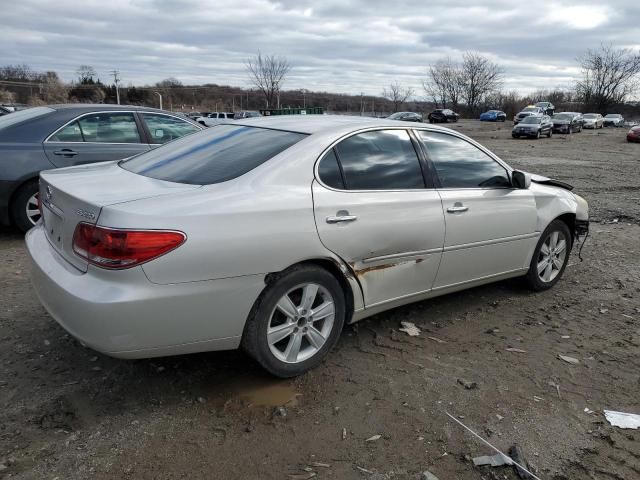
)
(109, 127)
(460, 164)
(164, 128)
(380, 160)
(216, 155)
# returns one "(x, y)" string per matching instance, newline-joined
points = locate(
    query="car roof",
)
(92, 107)
(312, 124)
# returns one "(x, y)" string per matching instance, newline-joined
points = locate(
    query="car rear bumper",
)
(122, 314)
(633, 138)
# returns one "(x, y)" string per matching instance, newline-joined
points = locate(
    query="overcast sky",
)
(348, 46)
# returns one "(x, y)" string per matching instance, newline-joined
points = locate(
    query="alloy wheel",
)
(32, 210)
(552, 256)
(301, 323)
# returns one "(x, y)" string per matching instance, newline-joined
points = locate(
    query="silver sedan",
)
(271, 233)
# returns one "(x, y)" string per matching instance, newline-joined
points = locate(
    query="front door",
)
(96, 137)
(490, 226)
(373, 210)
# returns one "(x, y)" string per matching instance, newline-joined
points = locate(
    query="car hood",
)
(527, 125)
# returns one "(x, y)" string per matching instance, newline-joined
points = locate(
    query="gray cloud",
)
(337, 45)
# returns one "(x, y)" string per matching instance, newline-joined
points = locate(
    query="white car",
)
(593, 120)
(272, 233)
(214, 118)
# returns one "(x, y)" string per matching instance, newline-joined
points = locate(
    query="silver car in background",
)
(593, 120)
(272, 233)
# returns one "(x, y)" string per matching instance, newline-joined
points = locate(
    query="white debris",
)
(567, 359)
(374, 438)
(410, 329)
(622, 419)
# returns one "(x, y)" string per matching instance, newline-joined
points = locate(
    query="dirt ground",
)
(67, 412)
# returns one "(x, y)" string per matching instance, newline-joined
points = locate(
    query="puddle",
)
(255, 391)
(269, 395)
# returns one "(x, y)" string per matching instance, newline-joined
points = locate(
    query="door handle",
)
(65, 152)
(457, 208)
(341, 217)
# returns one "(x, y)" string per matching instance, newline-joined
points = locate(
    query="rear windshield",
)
(216, 155)
(22, 115)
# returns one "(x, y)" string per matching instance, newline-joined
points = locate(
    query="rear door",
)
(96, 137)
(374, 210)
(490, 226)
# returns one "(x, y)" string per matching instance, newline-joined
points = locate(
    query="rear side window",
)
(329, 171)
(380, 160)
(70, 133)
(215, 155)
(164, 128)
(112, 127)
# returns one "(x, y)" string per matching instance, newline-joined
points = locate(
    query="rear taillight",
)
(118, 249)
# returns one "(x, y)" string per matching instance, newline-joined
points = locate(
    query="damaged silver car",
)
(271, 233)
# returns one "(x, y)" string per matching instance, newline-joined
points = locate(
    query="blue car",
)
(493, 116)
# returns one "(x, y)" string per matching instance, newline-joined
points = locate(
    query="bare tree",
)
(397, 94)
(443, 84)
(609, 76)
(479, 78)
(86, 74)
(6, 96)
(267, 73)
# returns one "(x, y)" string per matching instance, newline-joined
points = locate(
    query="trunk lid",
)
(77, 194)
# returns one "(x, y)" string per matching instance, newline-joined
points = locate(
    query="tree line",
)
(608, 78)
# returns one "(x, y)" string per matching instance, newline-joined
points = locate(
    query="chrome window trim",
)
(489, 153)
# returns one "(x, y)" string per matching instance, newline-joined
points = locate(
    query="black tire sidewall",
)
(532, 274)
(254, 340)
(18, 204)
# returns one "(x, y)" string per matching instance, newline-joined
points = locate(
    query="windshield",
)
(613, 115)
(22, 115)
(532, 119)
(590, 115)
(216, 155)
(396, 116)
(530, 109)
(562, 116)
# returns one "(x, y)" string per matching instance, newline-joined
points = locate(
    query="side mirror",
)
(521, 179)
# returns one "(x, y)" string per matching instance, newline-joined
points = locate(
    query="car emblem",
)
(49, 193)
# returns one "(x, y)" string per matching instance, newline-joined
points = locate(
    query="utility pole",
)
(116, 80)
(361, 103)
(160, 97)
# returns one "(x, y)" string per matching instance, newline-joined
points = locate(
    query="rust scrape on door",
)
(378, 268)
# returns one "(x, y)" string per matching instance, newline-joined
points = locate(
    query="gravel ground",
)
(67, 412)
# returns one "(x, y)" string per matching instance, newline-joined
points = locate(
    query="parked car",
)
(443, 115)
(246, 114)
(406, 116)
(533, 126)
(566, 122)
(271, 233)
(530, 110)
(593, 120)
(633, 135)
(493, 116)
(547, 107)
(580, 118)
(4, 111)
(214, 118)
(614, 120)
(41, 138)
(14, 107)
(196, 115)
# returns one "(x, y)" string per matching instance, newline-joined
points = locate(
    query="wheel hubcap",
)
(32, 210)
(552, 256)
(301, 323)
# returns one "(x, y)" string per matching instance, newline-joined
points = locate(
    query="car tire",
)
(550, 255)
(24, 201)
(549, 133)
(537, 135)
(276, 355)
